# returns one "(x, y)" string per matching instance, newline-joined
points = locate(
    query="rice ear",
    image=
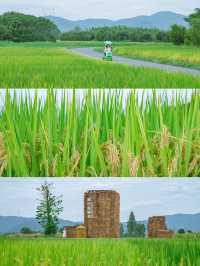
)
(53, 166)
(74, 162)
(193, 164)
(112, 157)
(2, 147)
(165, 135)
(27, 153)
(3, 166)
(134, 163)
(174, 162)
(3, 155)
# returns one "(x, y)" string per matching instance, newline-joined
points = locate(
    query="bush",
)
(26, 230)
(181, 231)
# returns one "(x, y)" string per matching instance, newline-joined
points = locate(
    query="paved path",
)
(90, 52)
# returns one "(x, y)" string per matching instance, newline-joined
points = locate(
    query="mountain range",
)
(161, 20)
(13, 224)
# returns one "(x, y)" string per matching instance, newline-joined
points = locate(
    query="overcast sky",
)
(112, 9)
(145, 197)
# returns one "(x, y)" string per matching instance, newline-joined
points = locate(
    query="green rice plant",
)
(99, 252)
(188, 235)
(183, 55)
(62, 44)
(107, 133)
(58, 67)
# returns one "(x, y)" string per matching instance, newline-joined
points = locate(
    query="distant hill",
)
(13, 224)
(161, 20)
(186, 221)
(177, 221)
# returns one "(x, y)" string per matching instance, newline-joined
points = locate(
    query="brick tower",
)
(101, 213)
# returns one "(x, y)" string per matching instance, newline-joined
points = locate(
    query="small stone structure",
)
(75, 231)
(157, 228)
(165, 234)
(101, 213)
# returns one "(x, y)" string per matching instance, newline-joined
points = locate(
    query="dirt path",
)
(90, 52)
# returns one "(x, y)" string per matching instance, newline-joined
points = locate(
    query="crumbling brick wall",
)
(71, 231)
(157, 227)
(165, 234)
(101, 213)
(81, 231)
(76, 231)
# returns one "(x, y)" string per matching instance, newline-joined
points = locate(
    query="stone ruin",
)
(101, 216)
(102, 213)
(75, 231)
(157, 228)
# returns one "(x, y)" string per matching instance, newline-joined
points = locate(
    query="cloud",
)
(143, 203)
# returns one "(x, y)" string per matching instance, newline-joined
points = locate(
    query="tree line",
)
(116, 33)
(18, 27)
(177, 34)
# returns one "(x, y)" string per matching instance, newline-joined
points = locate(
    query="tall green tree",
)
(140, 230)
(48, 210)
(135, 229)
(121, 230)
(177, 34)
(193, 33)
(131, 225)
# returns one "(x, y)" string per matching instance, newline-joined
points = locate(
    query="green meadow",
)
(100, 136)
(53, 65)
(99, 252)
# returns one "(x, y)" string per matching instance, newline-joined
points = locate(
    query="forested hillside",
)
(18, 27)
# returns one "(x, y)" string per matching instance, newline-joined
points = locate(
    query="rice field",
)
(100, 135)
(27, 66)
(188, 236)
(99, 252)
(61, 44)
(165, 53)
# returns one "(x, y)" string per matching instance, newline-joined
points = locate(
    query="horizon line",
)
(121, 221)
(101, 18)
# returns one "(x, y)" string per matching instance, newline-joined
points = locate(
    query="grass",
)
(165, 53)
(99, 252)
(99, 137)
(52, 66)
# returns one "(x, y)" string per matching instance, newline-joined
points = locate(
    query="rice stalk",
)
(103, 135)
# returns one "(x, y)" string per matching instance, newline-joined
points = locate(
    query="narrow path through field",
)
(90, 52)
